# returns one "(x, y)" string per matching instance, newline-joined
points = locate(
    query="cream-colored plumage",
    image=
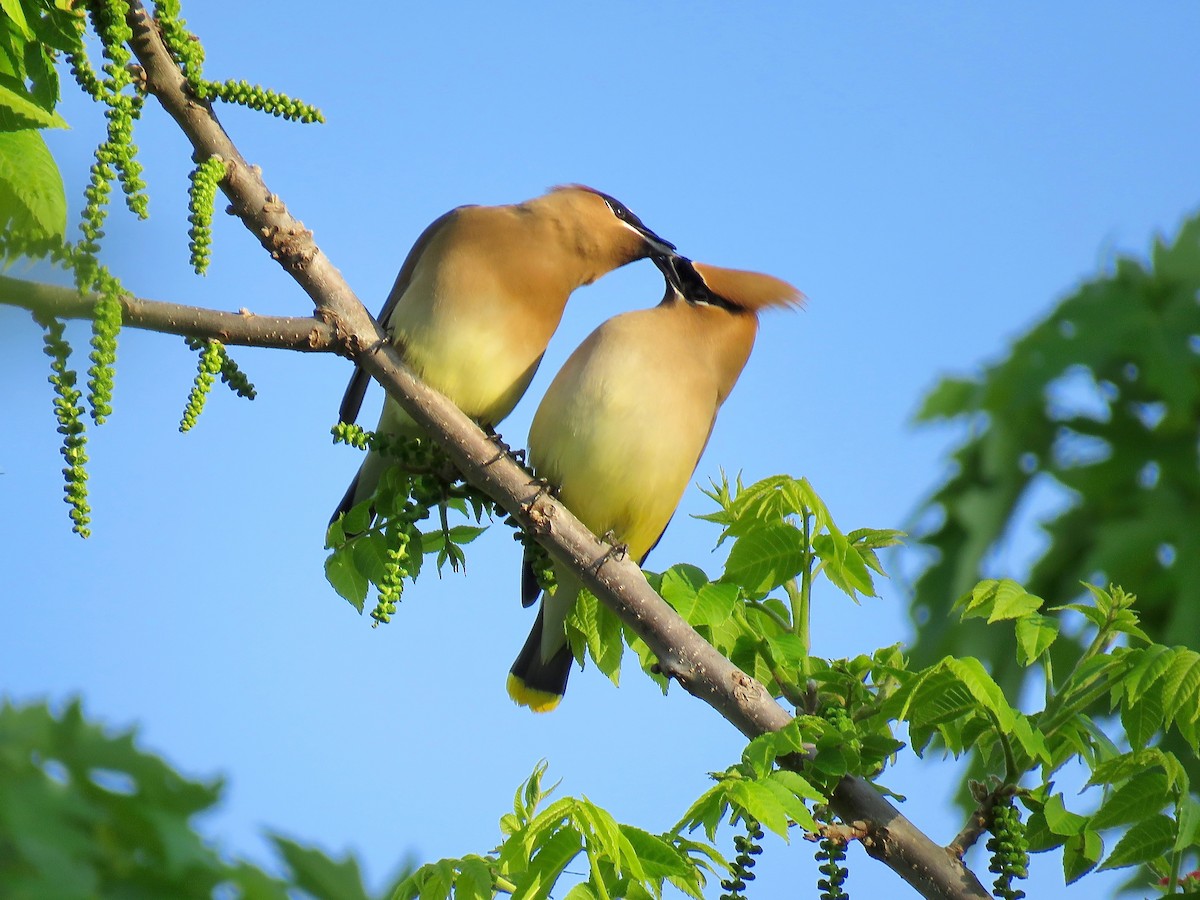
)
(623, 425)
(480, 295)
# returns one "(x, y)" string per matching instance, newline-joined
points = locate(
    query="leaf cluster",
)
(1100, 400)
(540, 842)
(86, 813)
(756, 613)
(378, 542)
(1138, 786)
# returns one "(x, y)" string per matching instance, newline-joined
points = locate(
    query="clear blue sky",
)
(932, 176)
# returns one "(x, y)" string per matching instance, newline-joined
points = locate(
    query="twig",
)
(303, 333)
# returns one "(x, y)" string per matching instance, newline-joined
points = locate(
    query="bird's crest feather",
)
(750, 291)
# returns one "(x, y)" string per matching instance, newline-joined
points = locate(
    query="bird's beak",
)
(669, 263)
(657, 244)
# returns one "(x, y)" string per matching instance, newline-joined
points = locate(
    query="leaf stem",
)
(1012, 774)
(596, 877)
(775, 617)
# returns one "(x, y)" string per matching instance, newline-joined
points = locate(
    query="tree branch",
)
(304, 333)
(619, 583)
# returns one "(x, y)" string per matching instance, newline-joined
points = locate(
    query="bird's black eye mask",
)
(626, 215)
(621, 211)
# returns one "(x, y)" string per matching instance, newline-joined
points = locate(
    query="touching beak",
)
(668, 263)
(657, 244)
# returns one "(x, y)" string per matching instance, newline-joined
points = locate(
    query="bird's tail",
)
(537, 682)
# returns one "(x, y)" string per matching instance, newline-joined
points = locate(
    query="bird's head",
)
(732, 289)
(604, 226)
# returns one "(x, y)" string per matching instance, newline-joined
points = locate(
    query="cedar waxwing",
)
(622, 426)
(480, 295)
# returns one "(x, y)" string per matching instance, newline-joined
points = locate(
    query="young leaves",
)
(541, 842)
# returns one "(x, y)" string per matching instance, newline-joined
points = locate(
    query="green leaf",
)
(32, 201)
(759, 801)
(369, 552)
(937, 696)
(843, 564)
(1139, 798)
(600, 831)
(949, 398)
(1035, 634)
(707, 811)
(680, 585)
(1142, 720)
(798, 785)
(347, 580)
(765, 503)
(1152, 838)
(1189, 823)
(1181, 687)
(1032, 741)
(318, 874)
(1147, 666)
(715, 603)
(437, 880)
(1062, 821)
(983, 687)
(792, 805)
(765, 558)
(601, 632)
(19, 111)
(999, 600)
(547, 864)
(657, 858)
(358, 517)
(16, 15)
(1130, 764)
(474, 880)
(434, 541)
(1081, 852)
(581, 891)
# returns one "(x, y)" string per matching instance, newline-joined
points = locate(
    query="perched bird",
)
(622, 426)
(480, 295)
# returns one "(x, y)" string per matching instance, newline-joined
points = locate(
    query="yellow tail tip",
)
(523, 695)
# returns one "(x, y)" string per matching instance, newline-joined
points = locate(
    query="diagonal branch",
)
(343, 322)
(243, 327)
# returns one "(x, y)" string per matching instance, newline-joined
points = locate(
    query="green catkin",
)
(231, 375)
(1009, 849)
(69, 413)
(242, 93)
(207, 369)
(118, 153)
(831, 856)
(115, 86)
(95, 209)
(202, 195)
(182, 44)
(235, 378)
(106, 325)
(397, 536)
(84, 74)
(741, 871)
(349, 433)
(408, 494)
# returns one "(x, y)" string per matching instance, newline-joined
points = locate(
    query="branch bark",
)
(305, 333)
(619, 583)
